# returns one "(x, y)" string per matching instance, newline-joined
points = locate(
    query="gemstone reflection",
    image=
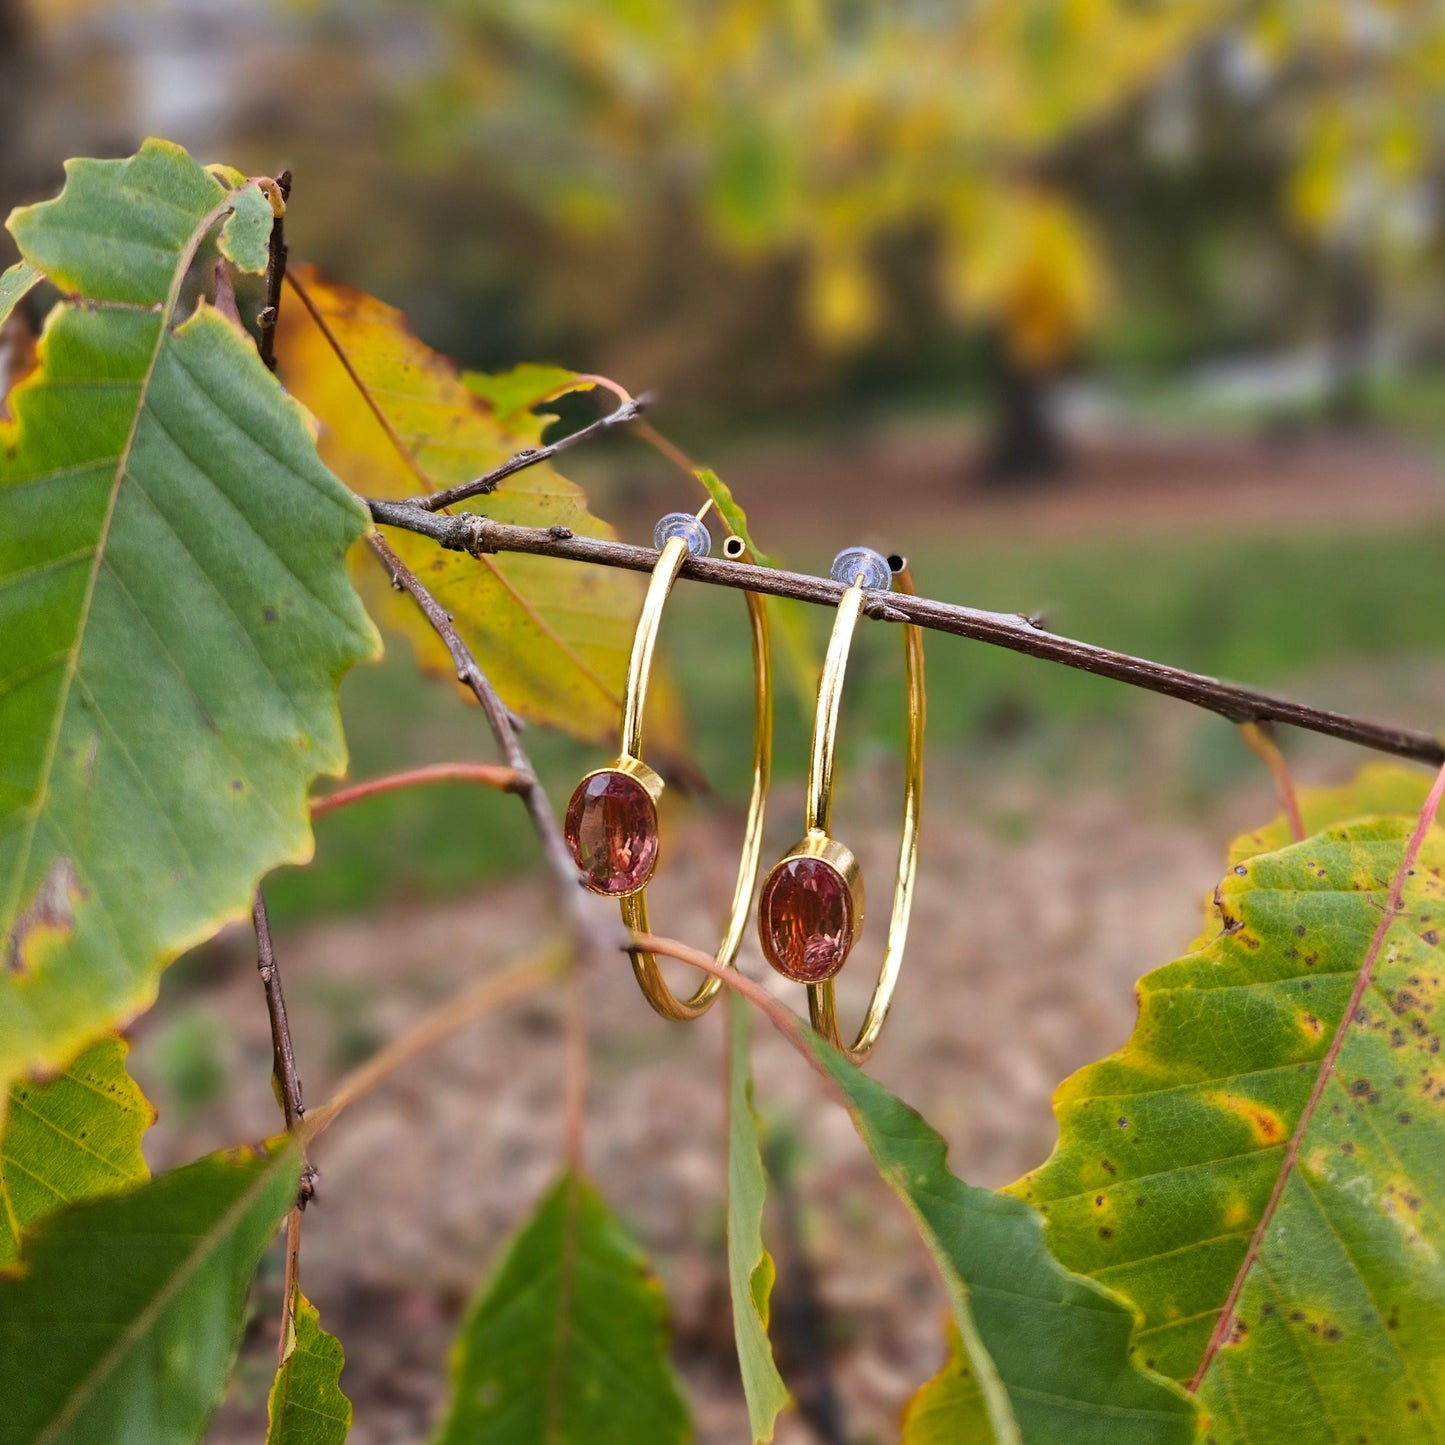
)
(805, 919)
(611, 832)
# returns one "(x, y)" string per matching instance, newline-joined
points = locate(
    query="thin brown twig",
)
(288, 1093)
(291, 1286)
(630, 410)
(792, 1027)
(275, 276)
(1260, 740)
(574, 1072)
(488, 775)
(283, 1055)
(482, 998)
(526, 785)
(668, 448)
(477, 535)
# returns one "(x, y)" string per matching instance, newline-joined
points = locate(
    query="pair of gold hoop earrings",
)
(810, 912)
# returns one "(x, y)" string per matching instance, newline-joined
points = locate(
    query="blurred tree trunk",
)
(1354, 312)
(1025, 445)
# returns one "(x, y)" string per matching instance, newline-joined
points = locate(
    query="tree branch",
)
(476, 535)
(630, 410)
(288, 1084)
(288, 1094)
(291, 1285)
(275, 276)
(489, 775)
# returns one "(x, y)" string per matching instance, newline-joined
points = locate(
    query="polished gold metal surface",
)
(634, 906)
(822, 999)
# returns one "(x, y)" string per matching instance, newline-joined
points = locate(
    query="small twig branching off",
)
(488, 775)
(630, 410)
(1260, 740)
(288, 1083)
(468, 532)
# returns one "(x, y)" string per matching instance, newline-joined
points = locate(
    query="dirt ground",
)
(1039, 905)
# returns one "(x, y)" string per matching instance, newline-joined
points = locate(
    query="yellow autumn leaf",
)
(397, 421)
(1030, 264)
(841, 301)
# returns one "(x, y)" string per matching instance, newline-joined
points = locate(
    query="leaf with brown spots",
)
(1276, 1207)
(397, 421)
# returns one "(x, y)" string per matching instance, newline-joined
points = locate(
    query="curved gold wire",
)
(822, 1000)
(634, 906)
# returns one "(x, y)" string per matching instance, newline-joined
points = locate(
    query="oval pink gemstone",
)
(806, 919)
(611, 830)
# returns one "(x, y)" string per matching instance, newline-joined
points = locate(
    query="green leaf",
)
(245, 239)
(750, 1267)
(306, 1406)
(119, 228)
(731, 512)
(567, 1342)
(1272, 1138)
(15, 285)
(515, 392)
(789, 619)
(174, 616)
(74, 1137)
(126, 1314)
(1049, 1350)
(1376, 789)
(949, 1409)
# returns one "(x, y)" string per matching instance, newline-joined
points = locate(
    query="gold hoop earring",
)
(811, 910)
(611, 825)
